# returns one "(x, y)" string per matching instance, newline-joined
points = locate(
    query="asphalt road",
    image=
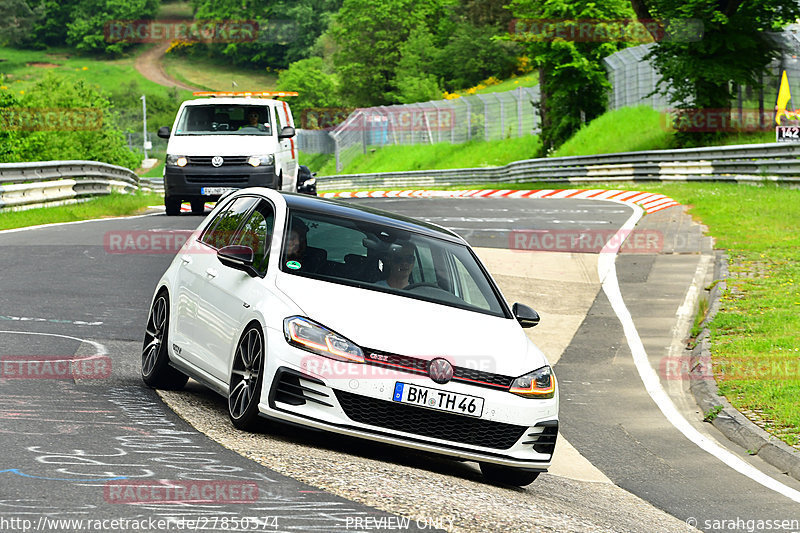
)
(63, 440)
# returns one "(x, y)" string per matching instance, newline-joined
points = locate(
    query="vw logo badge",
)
(217, 161)
(440, 370)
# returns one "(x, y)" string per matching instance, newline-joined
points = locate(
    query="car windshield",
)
(387, 259)
(224, 120)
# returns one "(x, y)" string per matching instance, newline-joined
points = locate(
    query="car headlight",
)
(540, 383)
(256, 160)
(307, 335)
(176, 160)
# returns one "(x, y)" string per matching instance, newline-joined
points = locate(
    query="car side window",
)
(257, 234)
(222, 229)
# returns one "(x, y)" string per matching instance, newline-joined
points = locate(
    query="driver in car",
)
(397, 267)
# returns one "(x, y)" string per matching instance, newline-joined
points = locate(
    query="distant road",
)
(149, 65)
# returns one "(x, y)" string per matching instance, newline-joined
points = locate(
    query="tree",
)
(287, 32)
(370, 34)
(696, 70)
(16, 21)
(413, 79)
(572, 79)
(315, 87)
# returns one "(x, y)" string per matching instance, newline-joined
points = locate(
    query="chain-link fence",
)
(136, 144)
(480, 117)
(634, 79)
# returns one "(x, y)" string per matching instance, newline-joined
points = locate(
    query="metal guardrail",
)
(754, 162)
(27, 185)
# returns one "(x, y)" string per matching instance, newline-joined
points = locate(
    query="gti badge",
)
(217, 161)
(440, 370)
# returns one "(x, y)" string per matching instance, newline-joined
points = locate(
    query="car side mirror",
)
(238, 257)
(164, 132)
(526, 316)
(286, 132)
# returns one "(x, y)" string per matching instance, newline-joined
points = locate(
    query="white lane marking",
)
(99, 348)
(606, 269)
(54, 224)
(49, 320)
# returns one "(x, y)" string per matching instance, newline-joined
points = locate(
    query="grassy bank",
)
(439, 156)
(113, 205)
(755, 338)
(629, 129)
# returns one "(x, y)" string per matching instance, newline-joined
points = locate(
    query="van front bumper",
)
(191, 182)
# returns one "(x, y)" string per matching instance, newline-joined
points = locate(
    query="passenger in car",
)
(397, 266)
(299, 256)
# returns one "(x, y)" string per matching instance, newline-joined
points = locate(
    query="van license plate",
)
(213, 191)
(452, 402)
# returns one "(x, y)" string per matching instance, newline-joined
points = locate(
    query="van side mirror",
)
(526, 316)
(286, 132)
(238, 257)
(164, 132)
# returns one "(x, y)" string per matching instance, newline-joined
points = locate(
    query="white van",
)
(228, 141)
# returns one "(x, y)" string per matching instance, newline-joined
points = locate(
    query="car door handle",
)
(211, 273)
(186, 259)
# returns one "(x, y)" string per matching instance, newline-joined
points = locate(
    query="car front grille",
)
(416, 365)
(429, 423)
(217, 180)
(205, 161)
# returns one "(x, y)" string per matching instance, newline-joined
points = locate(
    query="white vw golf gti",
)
(353, 320)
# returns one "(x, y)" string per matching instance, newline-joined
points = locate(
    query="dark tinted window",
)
(257, 234)
(387, 259)
(222, 230)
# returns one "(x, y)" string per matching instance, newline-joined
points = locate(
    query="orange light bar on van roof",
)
(256, 94)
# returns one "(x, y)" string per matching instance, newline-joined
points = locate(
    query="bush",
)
(31, 131)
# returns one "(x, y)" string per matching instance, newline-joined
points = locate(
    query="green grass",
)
(515, 82)
(20, 70)
(216, 75)
(755, 338)
(440, 156)
(315, 161)
(629, 129)
(103, 206)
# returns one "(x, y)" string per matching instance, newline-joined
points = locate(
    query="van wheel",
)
(198, 207)
(507, 475)
(173, 205)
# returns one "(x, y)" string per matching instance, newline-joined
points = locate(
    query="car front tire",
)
(198, 207)
(247, 376)
(508, 476)
(172, 205)
(156, 372)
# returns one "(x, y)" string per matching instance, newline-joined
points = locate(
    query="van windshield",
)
(225, 120)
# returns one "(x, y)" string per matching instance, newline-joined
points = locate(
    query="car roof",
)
(362, 213)
(230, 101)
